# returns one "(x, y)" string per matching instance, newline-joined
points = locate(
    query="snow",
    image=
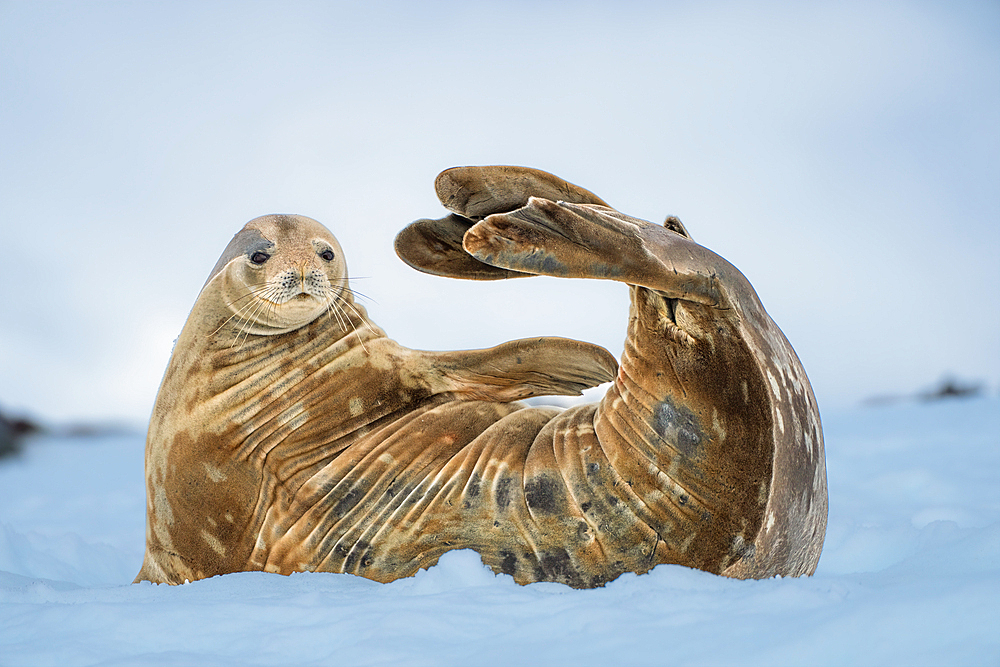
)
(910, 575)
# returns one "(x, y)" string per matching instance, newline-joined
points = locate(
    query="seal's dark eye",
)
(327, 255)
(259, 257)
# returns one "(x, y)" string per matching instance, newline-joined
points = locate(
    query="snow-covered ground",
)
(910, 575)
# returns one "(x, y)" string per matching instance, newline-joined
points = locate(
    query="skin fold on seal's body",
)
(290, 434)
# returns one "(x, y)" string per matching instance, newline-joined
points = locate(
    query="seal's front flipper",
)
(587, 241)
(475, 192)
(524, 368)
(435, 247)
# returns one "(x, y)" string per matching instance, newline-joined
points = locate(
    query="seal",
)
(290, 434)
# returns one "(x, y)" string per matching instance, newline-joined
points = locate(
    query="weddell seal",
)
(290, 434)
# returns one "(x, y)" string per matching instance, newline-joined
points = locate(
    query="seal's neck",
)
(231, 361)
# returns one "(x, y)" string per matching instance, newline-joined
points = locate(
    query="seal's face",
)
(281, 272)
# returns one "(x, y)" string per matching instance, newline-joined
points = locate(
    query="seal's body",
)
(291, 435)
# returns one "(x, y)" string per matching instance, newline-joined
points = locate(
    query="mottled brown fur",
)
(296, 438)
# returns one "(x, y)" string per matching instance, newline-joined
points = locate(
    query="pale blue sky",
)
(845, 156)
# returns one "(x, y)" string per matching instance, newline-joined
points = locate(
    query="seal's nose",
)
(303, 271)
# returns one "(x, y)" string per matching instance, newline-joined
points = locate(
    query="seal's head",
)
(279, 273)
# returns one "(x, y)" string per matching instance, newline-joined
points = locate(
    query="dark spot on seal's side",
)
(509, 563)
(677, 425)
(472, 491)
(598, 581)
(687, 441)
(558, 566)
(348, 501)
(503, 492)
(542, 493)
(357, 555)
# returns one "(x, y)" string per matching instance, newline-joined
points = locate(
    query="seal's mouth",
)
(300, 297)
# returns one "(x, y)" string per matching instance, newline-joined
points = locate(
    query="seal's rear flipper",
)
(476, 192)
(525, 368)
(471, 193)
(587, 241)
(435, 247)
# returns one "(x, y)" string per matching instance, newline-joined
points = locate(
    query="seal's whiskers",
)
(336, 302)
